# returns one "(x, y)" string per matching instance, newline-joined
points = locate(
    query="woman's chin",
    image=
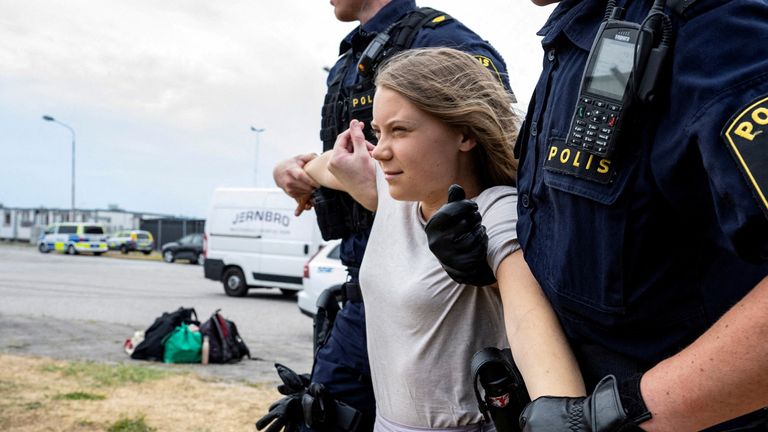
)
(399, 195)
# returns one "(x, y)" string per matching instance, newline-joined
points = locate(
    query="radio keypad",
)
(595, 115)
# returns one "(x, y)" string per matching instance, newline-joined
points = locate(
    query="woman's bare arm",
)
(538, 343)
(317, 169)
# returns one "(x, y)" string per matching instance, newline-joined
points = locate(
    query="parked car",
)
(189, 247)
(132, 240)
(323, 271)
(73, 238)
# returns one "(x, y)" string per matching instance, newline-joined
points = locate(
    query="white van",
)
(253, 240)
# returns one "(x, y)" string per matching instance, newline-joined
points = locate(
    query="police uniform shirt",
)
(450, 33)
(639, 266)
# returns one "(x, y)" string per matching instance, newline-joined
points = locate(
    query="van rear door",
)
(287, 242)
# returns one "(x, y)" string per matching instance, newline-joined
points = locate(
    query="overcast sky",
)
(162, 94)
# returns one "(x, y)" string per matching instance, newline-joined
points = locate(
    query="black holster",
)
(324, 413)
(505, 394)
(327, 308)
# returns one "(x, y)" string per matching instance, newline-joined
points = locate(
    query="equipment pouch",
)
(361, 218)
(330, 211)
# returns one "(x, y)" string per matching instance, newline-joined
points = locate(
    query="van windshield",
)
(93, 229)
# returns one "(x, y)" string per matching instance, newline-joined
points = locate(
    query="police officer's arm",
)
(289, 176)
(538, 343)
(722, 375)
(348, 167)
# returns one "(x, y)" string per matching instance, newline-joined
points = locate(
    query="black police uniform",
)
(341, 364)
(641, 263)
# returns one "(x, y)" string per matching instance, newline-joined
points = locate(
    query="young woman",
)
(442, 118)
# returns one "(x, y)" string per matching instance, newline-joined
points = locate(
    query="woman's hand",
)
(352, 165)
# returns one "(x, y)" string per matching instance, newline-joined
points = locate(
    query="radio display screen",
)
(611, 68)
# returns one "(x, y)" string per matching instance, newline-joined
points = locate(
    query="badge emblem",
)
(747, 136)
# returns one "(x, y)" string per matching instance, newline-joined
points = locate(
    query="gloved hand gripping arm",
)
(459, 241)
(602, 411)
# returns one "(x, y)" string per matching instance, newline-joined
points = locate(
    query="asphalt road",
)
(84, 307)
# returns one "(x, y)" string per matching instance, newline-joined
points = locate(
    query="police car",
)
(132, 240)
(324, 270)
(73, 238)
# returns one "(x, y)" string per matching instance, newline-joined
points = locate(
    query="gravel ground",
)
(100, 342)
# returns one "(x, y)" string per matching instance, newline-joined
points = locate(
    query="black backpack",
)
(226, 345)
(152, 348)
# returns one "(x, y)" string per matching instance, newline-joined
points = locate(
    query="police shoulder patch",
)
(438, 20)
(488, 63)
(746, 134)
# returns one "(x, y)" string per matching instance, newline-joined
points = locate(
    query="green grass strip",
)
(108, 375)
(131, 425)
(79, 396)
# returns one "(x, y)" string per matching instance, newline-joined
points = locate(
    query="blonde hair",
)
(455, 88)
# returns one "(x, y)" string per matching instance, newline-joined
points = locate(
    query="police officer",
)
(656, 266)
(341, 363)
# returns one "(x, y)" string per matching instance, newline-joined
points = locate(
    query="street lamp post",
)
(72, 202)
(256, 169)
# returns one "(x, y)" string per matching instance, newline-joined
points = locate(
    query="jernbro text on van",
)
(262, 215)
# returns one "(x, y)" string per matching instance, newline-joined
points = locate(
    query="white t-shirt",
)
(423, 327)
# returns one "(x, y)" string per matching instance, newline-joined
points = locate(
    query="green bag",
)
(183, 345)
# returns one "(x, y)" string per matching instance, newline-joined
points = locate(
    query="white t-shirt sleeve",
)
(498, 207)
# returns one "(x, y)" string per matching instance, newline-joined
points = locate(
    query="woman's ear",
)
(468, 141)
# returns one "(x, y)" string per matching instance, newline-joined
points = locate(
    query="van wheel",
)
(168, 256)
(71, 250)
(43, 248)
(123, 249)
(234, 283)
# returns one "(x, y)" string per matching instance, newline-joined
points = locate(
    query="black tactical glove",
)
(458, 240)
(602, 411)
(292, 382)
(286, 414)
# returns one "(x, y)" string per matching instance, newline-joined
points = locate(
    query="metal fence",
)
(168, 230)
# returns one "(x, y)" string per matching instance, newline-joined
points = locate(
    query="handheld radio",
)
(622, 67)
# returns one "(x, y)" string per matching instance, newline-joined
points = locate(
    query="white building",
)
(25, 224)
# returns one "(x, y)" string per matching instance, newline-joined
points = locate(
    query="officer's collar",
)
(577, 19)
(389, 14)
